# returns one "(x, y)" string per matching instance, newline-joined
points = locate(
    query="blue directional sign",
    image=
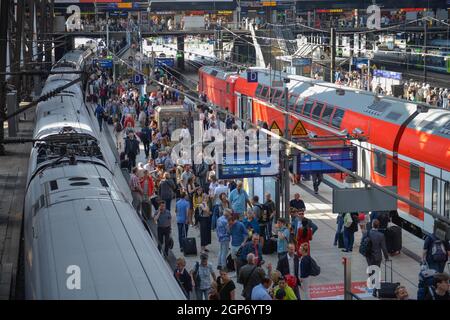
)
(387, 74)
(105, 63)
(138, 79)
(252, 76)
(343, 156)
(360, 62)
(159, 62)
(245, 166)
(298, 62)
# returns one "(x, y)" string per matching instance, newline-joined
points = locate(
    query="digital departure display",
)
(344, 156)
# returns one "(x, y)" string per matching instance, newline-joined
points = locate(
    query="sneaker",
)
(345, 250)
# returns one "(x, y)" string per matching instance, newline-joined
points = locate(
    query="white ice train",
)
(83, 239)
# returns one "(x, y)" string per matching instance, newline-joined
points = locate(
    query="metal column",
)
(333, 55)
(4, 14)
(287, 181)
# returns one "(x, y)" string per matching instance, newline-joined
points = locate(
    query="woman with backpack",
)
(351, 222)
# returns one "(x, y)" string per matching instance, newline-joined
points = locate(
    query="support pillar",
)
(4, 16)
(180, 52)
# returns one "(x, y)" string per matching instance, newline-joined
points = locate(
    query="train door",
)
(244, 109)
(445, 194)
(432, 194)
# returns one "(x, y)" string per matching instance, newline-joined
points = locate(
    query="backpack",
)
(366, 245)
(438, 252)
(315, 269)
(349, 222)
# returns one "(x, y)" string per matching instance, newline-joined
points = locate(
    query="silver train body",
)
(83, 239)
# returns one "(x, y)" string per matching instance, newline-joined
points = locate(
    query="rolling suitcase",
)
(387, 289)
(269, 247)
(189, 246)
(393, 236)
(341, 240)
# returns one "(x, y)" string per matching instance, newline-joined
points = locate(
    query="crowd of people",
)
(248, 228)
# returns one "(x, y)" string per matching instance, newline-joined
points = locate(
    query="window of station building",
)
(327, 114)
(434, 194)
(414, 177)
(337, 118)
(447, 199)
(307, 108)
(317, 110)
(264, 92)
(379, 162)
(258, 90)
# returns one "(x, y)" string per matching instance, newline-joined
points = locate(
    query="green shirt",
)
(290, 294)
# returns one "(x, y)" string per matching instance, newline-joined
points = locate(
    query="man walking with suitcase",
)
(181, 209)
(378, 245)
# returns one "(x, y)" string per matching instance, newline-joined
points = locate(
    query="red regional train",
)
(406, 145)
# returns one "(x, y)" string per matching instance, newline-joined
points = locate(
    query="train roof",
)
(82, 219)
(389, 109)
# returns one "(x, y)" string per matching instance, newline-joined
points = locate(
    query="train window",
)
(272, 94)
(228, 88)
(434, 194)
(264, 92)
(277, 95)
(299, 105)
(308, 106)
(337, 118)
(445, 129)
(447, 199)
(414, 177)
(317, 110)
(258, 90)
(53, 185)
(379, 162)
(214, 73)
(292, 99)
(327, 114)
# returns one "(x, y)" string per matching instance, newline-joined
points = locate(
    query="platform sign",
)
(363, 200)
(299, 130)
(138, 79)
(159, 62)
(387, 74)
(252, 76)
(299, 62)
(343, 156)
(275, 128)
(245, 165)
(105, 63)
(360, 62)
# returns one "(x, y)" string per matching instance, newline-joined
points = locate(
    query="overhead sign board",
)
(275, 128)
(252, 76)
(299, 130)
(343, 156)
(105, 63)
(159, 62)
(360, 62)
(245, 165)
(387, 74)
(363, 200)
(299, 62)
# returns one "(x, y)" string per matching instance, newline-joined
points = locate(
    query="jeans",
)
(349, 238)
(438, 266)
(100, 123)
(202, 294)
(214, 217)
(317, 179)
(168, 202)
(223, 253)
(137, 201)
(146, 147)
(132, 161)
(163, 236)
(182, 233)
(340, 224)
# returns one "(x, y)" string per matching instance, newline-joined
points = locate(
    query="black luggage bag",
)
(270, 246)
(393, 236)
(341, 240)
(387, 289)
(189, 246)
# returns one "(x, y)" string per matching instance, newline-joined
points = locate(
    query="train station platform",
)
(330, 283)
(13, 175)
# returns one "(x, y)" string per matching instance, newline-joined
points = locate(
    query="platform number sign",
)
(138, 79)
(73, 22)
(252, 76)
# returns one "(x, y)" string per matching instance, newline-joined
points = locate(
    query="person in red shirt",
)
(147, 185)
(129, 119)
(304, 235)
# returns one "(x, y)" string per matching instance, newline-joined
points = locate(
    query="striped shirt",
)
(134, 182)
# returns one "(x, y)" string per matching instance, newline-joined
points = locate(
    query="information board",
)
(343, 156)
(245, 166)
(159, 62)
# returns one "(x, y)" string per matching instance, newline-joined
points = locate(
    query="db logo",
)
(374, 279)
(73, 281)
